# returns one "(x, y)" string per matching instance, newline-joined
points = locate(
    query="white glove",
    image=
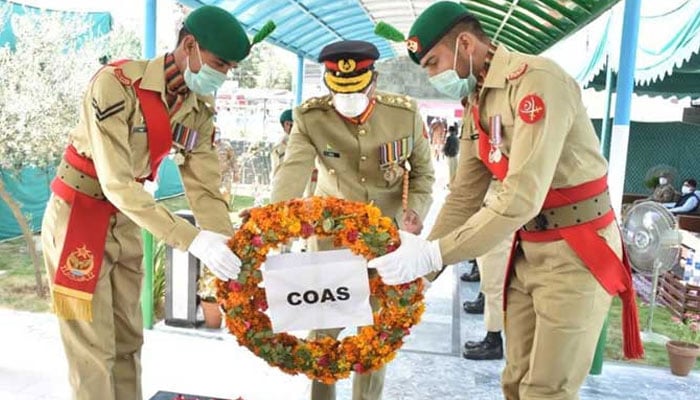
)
(413, 259)
(211, 249)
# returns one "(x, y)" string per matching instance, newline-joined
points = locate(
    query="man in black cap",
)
(366, 142)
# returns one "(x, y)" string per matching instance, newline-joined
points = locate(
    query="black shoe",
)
(490, 349)
(473, 276)
(476, 306)
(471, 344)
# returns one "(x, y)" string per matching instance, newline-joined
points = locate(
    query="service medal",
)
(390, 174)
(495, 155)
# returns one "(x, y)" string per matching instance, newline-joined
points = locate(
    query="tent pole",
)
(148, 51)
(149, 32)
(625, 85)
(300, 80)
(605, 129)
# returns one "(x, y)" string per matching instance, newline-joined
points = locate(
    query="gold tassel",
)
(404, 192)
(69, 307)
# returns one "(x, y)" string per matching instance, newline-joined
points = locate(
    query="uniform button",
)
(363, 179)
(363, 158)
(362, 132)
(331, 171)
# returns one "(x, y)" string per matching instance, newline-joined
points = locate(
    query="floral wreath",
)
(357, 226)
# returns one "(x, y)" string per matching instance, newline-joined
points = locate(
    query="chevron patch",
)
(101, 114)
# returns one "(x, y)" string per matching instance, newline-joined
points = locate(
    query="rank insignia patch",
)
(531, 108)
(102, 114)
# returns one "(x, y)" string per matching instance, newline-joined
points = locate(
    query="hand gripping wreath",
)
(357, 226)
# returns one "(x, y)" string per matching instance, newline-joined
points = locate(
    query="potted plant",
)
(683, 350)
(207, 296)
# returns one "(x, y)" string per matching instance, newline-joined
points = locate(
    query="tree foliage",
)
(262, 69)
(42, 81)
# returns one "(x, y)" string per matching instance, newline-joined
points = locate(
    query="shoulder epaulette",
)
(395, 100)
(517, 72)
(128, 72)
(322, 102)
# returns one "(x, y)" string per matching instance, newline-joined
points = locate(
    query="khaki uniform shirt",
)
(112, 132)
(348, 155)
(560, 150)
(277, 155)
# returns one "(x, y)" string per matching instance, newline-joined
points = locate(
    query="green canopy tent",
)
(683, 81)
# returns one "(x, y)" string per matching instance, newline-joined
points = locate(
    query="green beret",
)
(218, 32)
(432, 25)
(286, 116)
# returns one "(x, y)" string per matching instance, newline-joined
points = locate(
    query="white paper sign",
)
(317, 290)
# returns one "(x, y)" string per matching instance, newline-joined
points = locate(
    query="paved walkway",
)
(210, 363)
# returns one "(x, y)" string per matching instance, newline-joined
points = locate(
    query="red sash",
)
(86, 232)
(498, 169)
(613, 274)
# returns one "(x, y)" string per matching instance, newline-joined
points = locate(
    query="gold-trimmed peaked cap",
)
(349, 65)
(220, 33)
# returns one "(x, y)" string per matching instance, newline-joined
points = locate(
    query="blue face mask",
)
(206, 81)
(450, 84)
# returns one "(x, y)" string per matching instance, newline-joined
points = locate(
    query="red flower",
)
(358, 368)
(261, 304)
(306, 230)
(257, 241)
(391, 247)
(234, 286)
(352, 235)
(323, 361)
(383, 336)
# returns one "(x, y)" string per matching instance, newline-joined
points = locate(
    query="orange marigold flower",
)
(325, 359)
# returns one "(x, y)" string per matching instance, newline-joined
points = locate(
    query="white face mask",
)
(450, 84)
(663, 181)
(351, 105)
(686, 189)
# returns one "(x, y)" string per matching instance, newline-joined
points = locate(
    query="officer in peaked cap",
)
(364, 141)
(135, 113)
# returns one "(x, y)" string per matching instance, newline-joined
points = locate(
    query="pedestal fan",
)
(650, 233)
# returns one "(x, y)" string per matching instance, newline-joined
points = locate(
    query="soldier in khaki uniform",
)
(492, 269)
(529, 128)
(280, 149)
(365, 142)
(227, 166)
(133, 113)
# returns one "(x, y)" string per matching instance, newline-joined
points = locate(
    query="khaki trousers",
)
(103, 355)
(555, 313)
(367, 386)
(492, 268)
(364, 386)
